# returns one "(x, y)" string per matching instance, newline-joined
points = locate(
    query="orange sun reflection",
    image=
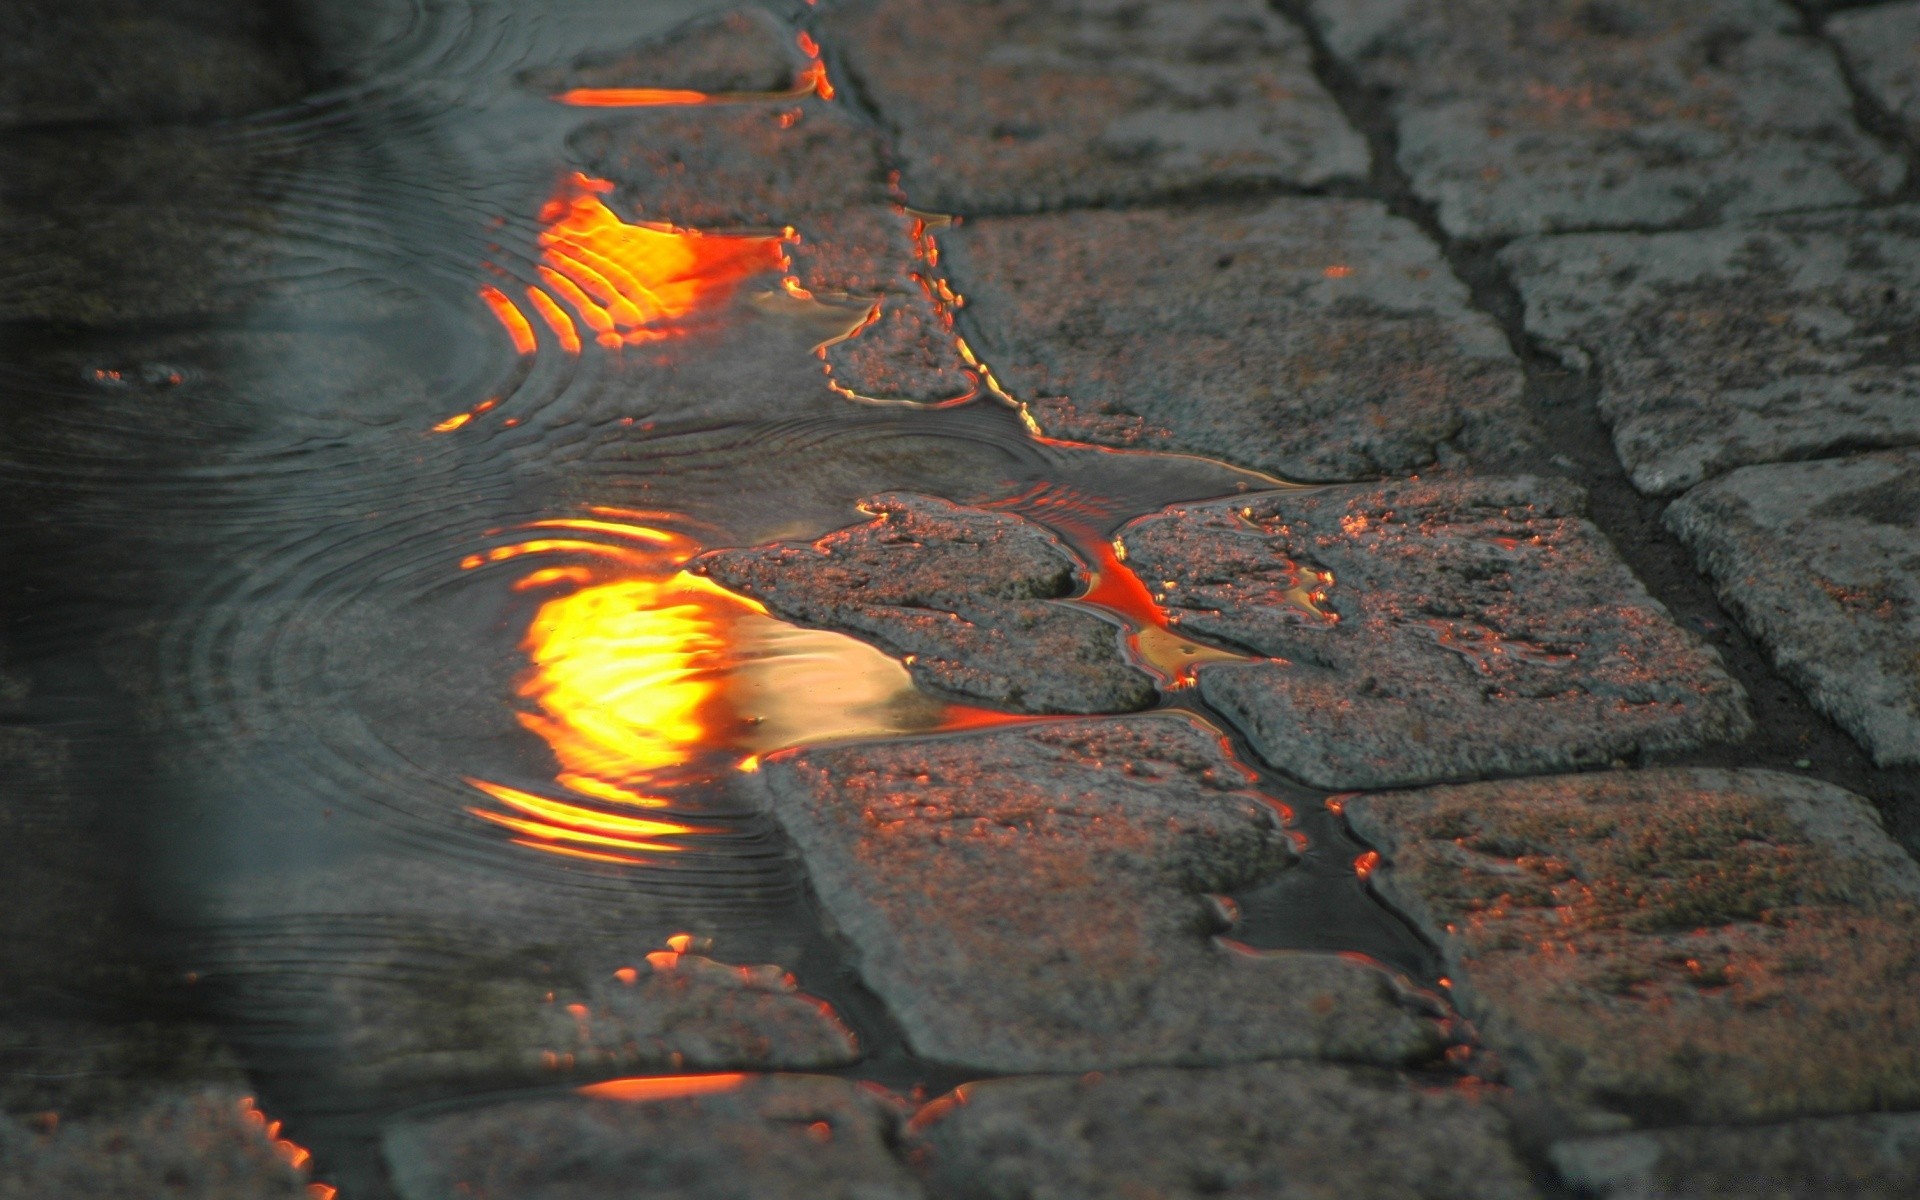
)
(644, 679)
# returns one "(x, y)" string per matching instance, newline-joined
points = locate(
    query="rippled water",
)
(386, 571)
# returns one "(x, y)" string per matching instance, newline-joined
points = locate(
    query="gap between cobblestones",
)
(1563, 401)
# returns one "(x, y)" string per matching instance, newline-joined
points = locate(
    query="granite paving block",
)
(1279, 1131)
(134, 61)
(1037, 898)
(744, 51)
(1672, 945)
(1759, 342)
(1524, 116)
(1024, 104)
(775, 1137)
(968, 596)
(1821, 562)
(1871, 1158)
(208, 1143)
(1319, 340)
(1882, 46)
(488, 1022)
(1424, 632)
(424, 972)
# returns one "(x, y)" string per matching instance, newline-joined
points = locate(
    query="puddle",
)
(407, 530)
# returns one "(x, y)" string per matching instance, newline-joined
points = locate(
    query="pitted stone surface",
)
(1821, 561)
(1874, 1156)
(1717, 348)
(494, 1023)
(746, 50)
(774, 1137)
(1673, 945)
(969, 596)
(748, 166)
(1882, 45)
(1284, 1131)
(1036, 899)
(1523, 116)
(206, 1142)
(1015, 105)
(723, 166)
(1470, 628)
(1319, 340)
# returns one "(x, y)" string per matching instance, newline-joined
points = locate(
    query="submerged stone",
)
(1281, 1130)
(1523, 116)
(1018, 105)
(1869, 1156)
(1315, 339)
(775, 1137)
(1779, 339)
(1821, 562)
(1038, 899)
(969, 596)
(1673, 945)
(209, 1143)
(745, 50)
(1422, 632)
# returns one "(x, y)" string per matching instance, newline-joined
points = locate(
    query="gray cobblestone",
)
(1821, 561)
(1758, 342)
(1872, 1158)
(1882, 45)
(1522, 116)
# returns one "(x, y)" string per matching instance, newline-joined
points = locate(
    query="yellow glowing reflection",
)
(643, 678)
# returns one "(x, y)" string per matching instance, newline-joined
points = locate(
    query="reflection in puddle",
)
(644, 679)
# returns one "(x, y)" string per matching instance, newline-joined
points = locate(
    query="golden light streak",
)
(663, 1087)
(511, 318)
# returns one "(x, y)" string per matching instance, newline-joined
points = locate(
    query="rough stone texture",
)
(1524, 116)
(1279, 1131)
(1676, 945)
(84, 1069)
(1024, 104)
(746, 50)
(811, 168)
(1869, 1158)
(1036, 899)
(1821, 562)
(424, 971)
(1882, 45)
(677, 1012)
(1320, 340)
(772, 1138)
(137, 61)
(1782, 339)
(968, 596)
(206, 1143)
(1470, 628)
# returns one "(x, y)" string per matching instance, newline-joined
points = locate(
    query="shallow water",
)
(390, 608)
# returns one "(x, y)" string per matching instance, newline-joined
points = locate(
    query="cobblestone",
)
(1424, 632)
(1870, 1156)
(968, 596)
(1882, 45)
(1759, 342)
(1821, 561)
(760, 1138)
(1021, 104)
(1319, 340)
(1669, 946)
(1283, 1130)
(1516, 116)
(1036, 899)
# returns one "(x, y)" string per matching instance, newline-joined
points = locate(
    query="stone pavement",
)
(1593, 323)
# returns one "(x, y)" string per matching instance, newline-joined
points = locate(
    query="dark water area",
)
(277, 621)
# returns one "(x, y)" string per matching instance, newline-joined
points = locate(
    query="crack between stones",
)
(1788, 729)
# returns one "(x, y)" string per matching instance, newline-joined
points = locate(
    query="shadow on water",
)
(366, 579)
